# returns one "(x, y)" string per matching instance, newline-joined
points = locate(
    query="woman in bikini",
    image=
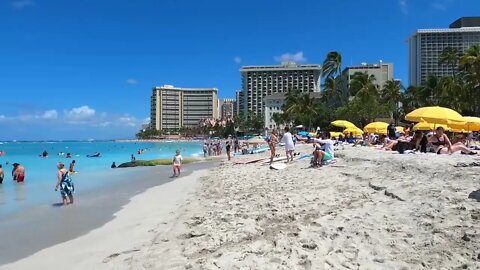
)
(442, 144)
(271, 144)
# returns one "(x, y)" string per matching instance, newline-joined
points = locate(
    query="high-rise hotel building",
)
(226, 108)
(173, 108)
(261, 81)
(426, 46)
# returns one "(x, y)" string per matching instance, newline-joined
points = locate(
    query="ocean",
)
(94, 173)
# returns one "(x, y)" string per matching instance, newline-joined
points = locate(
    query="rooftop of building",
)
(283, 66)
(466, 22)
(368, 66)
(171, 87)
(461, 25)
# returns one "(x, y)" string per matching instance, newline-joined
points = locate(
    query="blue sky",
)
(85, 69)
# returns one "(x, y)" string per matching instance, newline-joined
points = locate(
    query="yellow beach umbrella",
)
(335, 134)
(356, 131)
(376, 127)
(343, 124)
(399, 129)
(435, 115)
(429, 126)
(471, 124)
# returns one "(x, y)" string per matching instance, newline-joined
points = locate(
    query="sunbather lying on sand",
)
(442, 144)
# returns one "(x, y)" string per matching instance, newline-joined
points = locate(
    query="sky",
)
(85, 69)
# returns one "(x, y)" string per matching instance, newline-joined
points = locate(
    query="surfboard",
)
(275, 159)
(248, 161)
(278, 166)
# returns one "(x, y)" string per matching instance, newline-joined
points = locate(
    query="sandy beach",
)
(369, 210)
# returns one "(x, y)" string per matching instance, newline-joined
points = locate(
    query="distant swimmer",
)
(132, 158)
(44, 154)
(2, 153)
(2, 174)
(113, 165)
(68, 155)
(71, 168)
(97, 154)
(18, 173)
(65, 183)
(177, 164)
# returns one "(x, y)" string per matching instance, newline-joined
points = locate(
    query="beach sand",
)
(370, 210)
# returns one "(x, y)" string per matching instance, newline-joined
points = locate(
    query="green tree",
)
(449, 57)
(391, 96)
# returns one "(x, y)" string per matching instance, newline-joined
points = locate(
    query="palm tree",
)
(470, 62)
(334, 94)
(430, 90)
(449, 56)
(332, 64)
(300, 107)
(391, 95)
(363, 85)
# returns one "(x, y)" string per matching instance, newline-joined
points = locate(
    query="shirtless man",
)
(19, 173)
(2, 174)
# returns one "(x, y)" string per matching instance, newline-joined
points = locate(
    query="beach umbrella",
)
(471, 124)
(435, 115)
(376, 127)
(399, 129)
(335, 134)
(343, 124)
(356, 131)
(429, 126)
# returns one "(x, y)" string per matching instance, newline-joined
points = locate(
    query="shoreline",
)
(57, 225)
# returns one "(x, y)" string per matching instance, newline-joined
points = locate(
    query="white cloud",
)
(132, 81)
(50, 115)
(80, 113)
(21, 4)
(146, 121)
(237, 59)
(2, 117)
(403, 6)
(295, 57)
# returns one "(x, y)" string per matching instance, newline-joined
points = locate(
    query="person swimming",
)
(44, 154)
(97, 154)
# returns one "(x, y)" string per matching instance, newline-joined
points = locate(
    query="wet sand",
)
(25, 233)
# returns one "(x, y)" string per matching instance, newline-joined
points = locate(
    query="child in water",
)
(177, 164)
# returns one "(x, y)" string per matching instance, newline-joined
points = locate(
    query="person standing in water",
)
(71, 168)
(2, 174)
(272, 144)
(177, 164)
(287, 139)
(18, 173)
(65, 183)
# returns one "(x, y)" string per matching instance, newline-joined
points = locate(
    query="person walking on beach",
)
(236, 146)
(228, 146)
(65, 183)
(272, 144)
(287, 139)
(177, 164)
(18, 173)
(2, 174)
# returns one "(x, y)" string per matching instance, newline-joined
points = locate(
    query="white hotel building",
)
(426, 46)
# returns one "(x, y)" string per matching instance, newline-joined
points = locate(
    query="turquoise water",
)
(95, 173)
